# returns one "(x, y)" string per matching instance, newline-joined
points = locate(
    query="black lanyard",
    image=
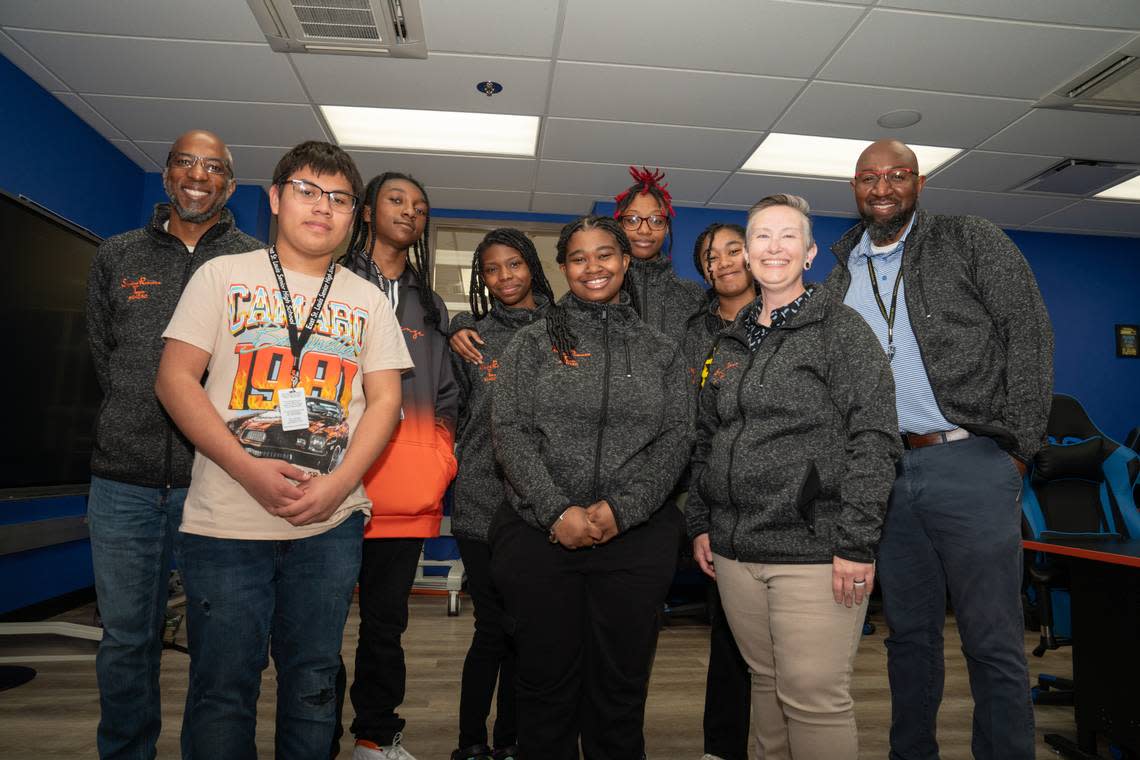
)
(297, 340)
(888, 316)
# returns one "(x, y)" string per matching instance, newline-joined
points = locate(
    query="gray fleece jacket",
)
(135, 282)
(981, 326)
(479, 488)
(797, 441)
(666, 300)
(614, 423)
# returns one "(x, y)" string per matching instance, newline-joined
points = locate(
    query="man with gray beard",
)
(140, 465)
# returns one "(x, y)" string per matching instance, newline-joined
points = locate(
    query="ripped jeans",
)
(247, 599)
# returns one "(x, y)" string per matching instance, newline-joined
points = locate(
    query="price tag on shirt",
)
(294, 412)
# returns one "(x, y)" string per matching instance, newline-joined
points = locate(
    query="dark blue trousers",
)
(953, 524)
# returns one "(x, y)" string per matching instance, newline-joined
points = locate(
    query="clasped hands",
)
(295, 495)
(586, 526)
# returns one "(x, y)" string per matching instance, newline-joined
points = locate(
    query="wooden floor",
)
(55, 715)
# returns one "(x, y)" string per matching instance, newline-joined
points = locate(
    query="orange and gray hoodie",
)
(407, 482)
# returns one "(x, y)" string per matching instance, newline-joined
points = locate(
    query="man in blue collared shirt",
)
(957, 309)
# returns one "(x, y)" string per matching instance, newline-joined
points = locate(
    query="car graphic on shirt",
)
(320, 446)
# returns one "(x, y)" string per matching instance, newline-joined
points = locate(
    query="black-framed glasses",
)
(311, 193)
(633, 221)
(187, 161)
(899, 175)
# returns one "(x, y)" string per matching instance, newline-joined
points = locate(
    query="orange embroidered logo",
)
(571, 359)
(414, 333)
(488, 370)
(136, 286)
(720, 373)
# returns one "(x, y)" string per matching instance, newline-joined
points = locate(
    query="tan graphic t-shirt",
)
(233, 309)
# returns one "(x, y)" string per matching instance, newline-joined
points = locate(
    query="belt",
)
(919, 440)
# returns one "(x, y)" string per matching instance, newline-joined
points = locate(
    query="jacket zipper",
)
(740, 432)
(605, 398)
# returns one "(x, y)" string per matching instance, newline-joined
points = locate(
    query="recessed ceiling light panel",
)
(450, 131)
(1128, 190)
(782, 153)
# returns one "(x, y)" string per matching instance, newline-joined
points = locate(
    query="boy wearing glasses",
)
(302, 393)
(140, 463)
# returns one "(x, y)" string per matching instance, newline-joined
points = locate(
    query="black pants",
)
(585, 623)
(728, 689)
(387, 570)
(490, 659)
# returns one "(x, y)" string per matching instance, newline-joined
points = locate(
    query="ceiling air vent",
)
(347, 27)
(1076, 177)
(1112, 86)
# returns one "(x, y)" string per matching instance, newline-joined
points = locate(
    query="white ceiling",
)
(692, 88)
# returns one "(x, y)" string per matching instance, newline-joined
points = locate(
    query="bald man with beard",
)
(957, 310)
(140, 464)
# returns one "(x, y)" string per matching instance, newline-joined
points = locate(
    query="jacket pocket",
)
(809, 491)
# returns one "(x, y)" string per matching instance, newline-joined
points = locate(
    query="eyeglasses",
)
(633, 222)
(898, 176)
(310, 194)
(187, 161)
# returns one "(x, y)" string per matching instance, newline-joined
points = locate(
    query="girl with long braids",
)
(719, 256)
(645, 212)
(508, 291)
(592, 424)
(389, 246)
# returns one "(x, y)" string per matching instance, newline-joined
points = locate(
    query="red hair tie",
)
(645, 181)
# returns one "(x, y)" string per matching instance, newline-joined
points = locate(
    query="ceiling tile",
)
(89, 115)
(558, 203)
(704, 99)
(200, 20)
(442, 82)
(993, 172)
(1003, 209)
(131, 151)
(435, 170)
(1117, 13)
(478, 200)
(975, 56)
(1071, 134)
(604, 181)
(491, 28)
(29, 65)
(648, 144)
(1095, 216)
(743, 36)
(165, 68)
(823, 195)
(828, 109)
(251, 163)
(161, 120)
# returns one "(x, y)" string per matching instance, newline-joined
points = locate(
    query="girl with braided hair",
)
(508, 291)
(592, 424)
(666, 301)
(389, 246)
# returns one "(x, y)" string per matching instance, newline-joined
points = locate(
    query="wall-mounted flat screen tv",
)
(49, 395)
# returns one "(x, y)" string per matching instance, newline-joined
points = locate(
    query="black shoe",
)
(474, 752)
(506, 753)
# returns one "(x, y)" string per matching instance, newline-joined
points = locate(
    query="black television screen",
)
(49, 393)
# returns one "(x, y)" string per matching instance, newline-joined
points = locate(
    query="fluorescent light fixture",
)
(782, 153)
(452, 131)
(1128, 190)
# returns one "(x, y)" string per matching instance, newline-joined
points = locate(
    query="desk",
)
(1105, 588)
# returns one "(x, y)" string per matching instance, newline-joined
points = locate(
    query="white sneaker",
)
(707, 756)
(366, 750)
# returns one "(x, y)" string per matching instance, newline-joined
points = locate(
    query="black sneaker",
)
(474, 752)
(506, 753)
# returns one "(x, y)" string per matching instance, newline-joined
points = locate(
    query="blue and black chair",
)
(1082, 483)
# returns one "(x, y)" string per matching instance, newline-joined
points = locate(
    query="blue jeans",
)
(134, 531)
(954, 523)
(246, 599)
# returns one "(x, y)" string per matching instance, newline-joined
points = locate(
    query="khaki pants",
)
(800, 647)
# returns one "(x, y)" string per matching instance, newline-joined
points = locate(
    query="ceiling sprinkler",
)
(489, 88)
